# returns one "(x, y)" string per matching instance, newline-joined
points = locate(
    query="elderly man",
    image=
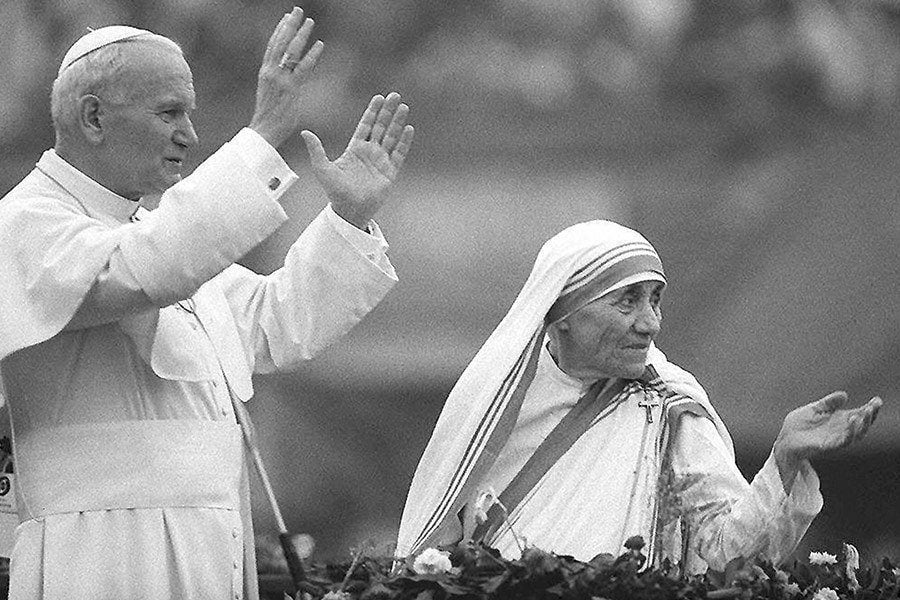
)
(570, 430)
(128, 337)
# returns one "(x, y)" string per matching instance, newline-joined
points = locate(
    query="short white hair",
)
(98, 73)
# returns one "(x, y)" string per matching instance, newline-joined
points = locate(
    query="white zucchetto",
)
(97, 38)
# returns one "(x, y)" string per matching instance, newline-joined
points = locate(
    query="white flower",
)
(781, 577)
(822, 558)
(432, 562)
(826, 594)
(791, 589)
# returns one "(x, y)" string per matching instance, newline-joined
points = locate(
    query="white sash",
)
(130, 464)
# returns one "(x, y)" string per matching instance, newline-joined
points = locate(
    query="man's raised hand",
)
(286, 66)
(358, 180)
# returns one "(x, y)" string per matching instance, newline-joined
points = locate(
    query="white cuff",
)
(264, 161)
(372, 245)
(805, 497)
(367, 243)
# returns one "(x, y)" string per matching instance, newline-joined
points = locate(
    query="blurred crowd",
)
(570, 71)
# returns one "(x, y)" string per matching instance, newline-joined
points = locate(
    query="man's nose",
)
(185, 134)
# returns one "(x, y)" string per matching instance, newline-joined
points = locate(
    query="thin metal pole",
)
(295, 564)
(243, 419)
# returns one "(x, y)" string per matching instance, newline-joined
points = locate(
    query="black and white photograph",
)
(424, 300)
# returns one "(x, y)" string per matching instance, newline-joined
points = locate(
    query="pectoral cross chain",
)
(648, 403)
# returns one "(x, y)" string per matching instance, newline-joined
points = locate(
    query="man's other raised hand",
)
(358, 180)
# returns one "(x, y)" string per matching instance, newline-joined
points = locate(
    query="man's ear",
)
(89, 113)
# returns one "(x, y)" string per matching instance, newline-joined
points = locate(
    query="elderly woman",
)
(571, 430)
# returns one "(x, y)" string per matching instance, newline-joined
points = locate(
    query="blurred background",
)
(754, 142)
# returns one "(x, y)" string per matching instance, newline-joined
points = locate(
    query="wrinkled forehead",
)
(150, 58)
(150, 71)
(603, 257)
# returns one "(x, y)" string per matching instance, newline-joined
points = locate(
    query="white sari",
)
(610, 484)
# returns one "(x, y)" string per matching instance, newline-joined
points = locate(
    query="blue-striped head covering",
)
(613, 257)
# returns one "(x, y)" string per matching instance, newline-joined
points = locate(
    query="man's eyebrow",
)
(170, 104)
(173, 100)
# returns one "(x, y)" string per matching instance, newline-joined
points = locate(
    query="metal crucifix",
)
(648, 403)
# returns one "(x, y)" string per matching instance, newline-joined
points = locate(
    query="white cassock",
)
(130, 465)
(671, 478)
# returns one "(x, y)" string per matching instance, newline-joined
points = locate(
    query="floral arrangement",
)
(476, 571)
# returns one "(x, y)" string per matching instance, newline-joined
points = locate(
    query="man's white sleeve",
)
(206, 222)
(333, 275)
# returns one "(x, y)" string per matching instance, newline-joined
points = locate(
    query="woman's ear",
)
(554, 331)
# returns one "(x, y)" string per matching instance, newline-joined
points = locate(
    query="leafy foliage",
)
(479, 572)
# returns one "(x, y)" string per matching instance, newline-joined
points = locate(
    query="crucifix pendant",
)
(648, 403)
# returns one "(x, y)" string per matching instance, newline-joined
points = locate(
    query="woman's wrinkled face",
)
(610, 336)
